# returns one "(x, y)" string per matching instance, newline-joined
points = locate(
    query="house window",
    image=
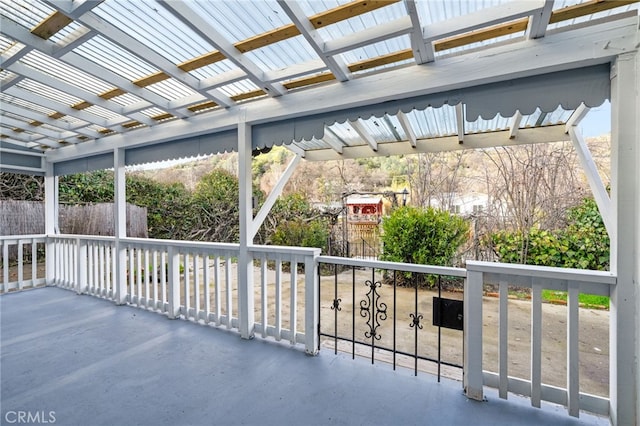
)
(477, 208)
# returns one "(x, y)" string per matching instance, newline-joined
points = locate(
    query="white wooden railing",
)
(199, 282)
(21, 273)
(536, 278)
(195, 281)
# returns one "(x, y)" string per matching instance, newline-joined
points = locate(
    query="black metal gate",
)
(387, 312)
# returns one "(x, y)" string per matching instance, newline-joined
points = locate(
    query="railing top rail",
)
(82, 237)
(198, 245)
(22, 237)
(301, 251)
(408, 267)
(547, 272)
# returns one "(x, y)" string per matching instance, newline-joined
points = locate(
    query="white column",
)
(245, 260)
(472, 379)
(50, 219)
(625, 251)
(120, 223)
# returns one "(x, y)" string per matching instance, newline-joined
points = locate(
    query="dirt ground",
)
(422, 338)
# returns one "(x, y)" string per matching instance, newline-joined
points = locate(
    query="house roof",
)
(329, 79)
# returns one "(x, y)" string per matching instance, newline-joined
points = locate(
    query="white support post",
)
(50, 220)
(311, 304)
(624, 376)
(245, 259)
(472, 336)
(120, 224)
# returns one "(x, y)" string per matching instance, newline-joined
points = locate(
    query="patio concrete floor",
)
(79, 360)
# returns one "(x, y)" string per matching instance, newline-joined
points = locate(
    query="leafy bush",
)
(583, 243)
(423, 236)
(294, 222)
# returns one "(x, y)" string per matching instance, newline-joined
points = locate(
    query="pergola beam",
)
(514, 124)
(335, 64)
(450, 74)
(184, 13)
(422, 50)
(482, 20)
(408, 128)
(526, 136)
(336, 143)
(460, 121)
(540, 20)
(364, 134)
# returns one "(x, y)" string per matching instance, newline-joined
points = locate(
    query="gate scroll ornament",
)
(373, 309)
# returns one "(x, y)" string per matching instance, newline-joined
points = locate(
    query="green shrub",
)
(428, 237)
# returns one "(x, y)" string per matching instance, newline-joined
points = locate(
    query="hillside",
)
(425, 175)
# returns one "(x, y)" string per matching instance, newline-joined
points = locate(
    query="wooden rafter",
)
(202, 106)
(307, 81)
(163, 116)
(131, 124)
(201, 61)
(110, 94)
(401, 55)
(51, 25)
(81, 105)
(248, 95)
(347, 11)
(56, 115)
(151, 79)
(587, 8)
(483, 34)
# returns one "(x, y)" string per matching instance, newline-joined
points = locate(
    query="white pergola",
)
(101, 84)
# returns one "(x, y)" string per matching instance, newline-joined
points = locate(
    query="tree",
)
(217, 215)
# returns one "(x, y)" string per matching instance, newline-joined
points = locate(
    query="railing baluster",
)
(503, 339)
(573, 359)
(131, 274)
(5, 264)
(263, 293)
(196, 286)
(174, 283)
(536, 342)
(109, 267)
(229, 294)
(147, 278)
(20, 265)
(163, 277)
(187, 292)
(207, 282)
(278, 324)
(293, 305)
(154, 277)
(218, 289)
(139, 275)
(34, 262)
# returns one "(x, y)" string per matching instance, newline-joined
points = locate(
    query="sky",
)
(597, 121)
